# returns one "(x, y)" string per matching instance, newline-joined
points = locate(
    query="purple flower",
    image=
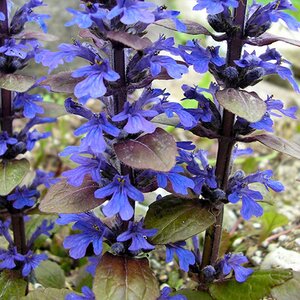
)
(136, 114)
(137, 234)
(6, 140)
(32, 261)
(23, 197)
(94, 140)
(185, 257)
(2, 16)
(92, 232)
(34, 136)
(165, 295)
(45, 178)
(133, 11)
(4, 230)
(87, 166)
(87, 295)
(11, 48)
(161, 13)
(180, 183)
(9, 257)
(233, 262)
(44, 228)
(214, 7)
(199, 57)
(93, 85)
(27, 102)
(121, 191)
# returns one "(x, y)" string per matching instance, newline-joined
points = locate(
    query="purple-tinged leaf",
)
(65, 198)
(121, 277)
(52, 110)
(156, 151)
(177, 219)
(38, 35)
(86, 33)
(12, 172)
(62, 82)
(129, 40)
(16, 82)
(268, 39)
(243, 104)
(276, 143)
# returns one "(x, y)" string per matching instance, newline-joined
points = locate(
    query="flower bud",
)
(209, 273)
(252, 77)
(118, 248)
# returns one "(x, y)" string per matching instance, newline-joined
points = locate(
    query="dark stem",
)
(7, 125)
(223, 165)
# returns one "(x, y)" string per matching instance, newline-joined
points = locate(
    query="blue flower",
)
(45, 178)
(214, 7)
(92, 232)
(161, 13)
(2, 16)
(34, 136)
(32, 261)
(87, 295)
(9, 257)
(165, 295)
(266, 123)
(137, 234)
(85, 19)
(44, 228)
(233, 262)
(199, 57)
(121, 191)
(180, 183)
(23, 197)
(4, 230)
(133, 11)
(6, 140)
(11, 48)
(87, 166)
(27, 102)
(185, 257)
(93, 85)
(94, 128)
(136, 114)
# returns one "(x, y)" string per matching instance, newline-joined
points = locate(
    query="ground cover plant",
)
(127, 151)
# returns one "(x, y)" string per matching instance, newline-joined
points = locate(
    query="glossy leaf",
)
(121, 277)
(156, 151)
(257, 286)
(278, 144)
(289, 290)
(164, 120)
(11, 285)
(50, 274)
(65, 198)
(243, 104)
(12, 172)
(16, 82)
(52, 110)
(268, 39)
(271, 220)
(129, 40)
(177, 219)
(47, 294)
(62, 82)
(193, 295)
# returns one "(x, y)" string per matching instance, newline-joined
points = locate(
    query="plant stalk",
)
(17, 219)
(213, 234)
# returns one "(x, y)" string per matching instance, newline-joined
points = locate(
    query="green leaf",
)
(244, 104)
(177, 219)
(257, 286)
(11, 285)
(47, 294)
(271, 220)
(49, 274)
(52, 110)
(156, 151)
(12, 172)
(193, 295)
(16, 82)
(289, 290)
(125, 278)
(65, 198)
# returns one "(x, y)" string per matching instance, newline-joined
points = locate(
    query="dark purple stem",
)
(214, 233)
(17, 219)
